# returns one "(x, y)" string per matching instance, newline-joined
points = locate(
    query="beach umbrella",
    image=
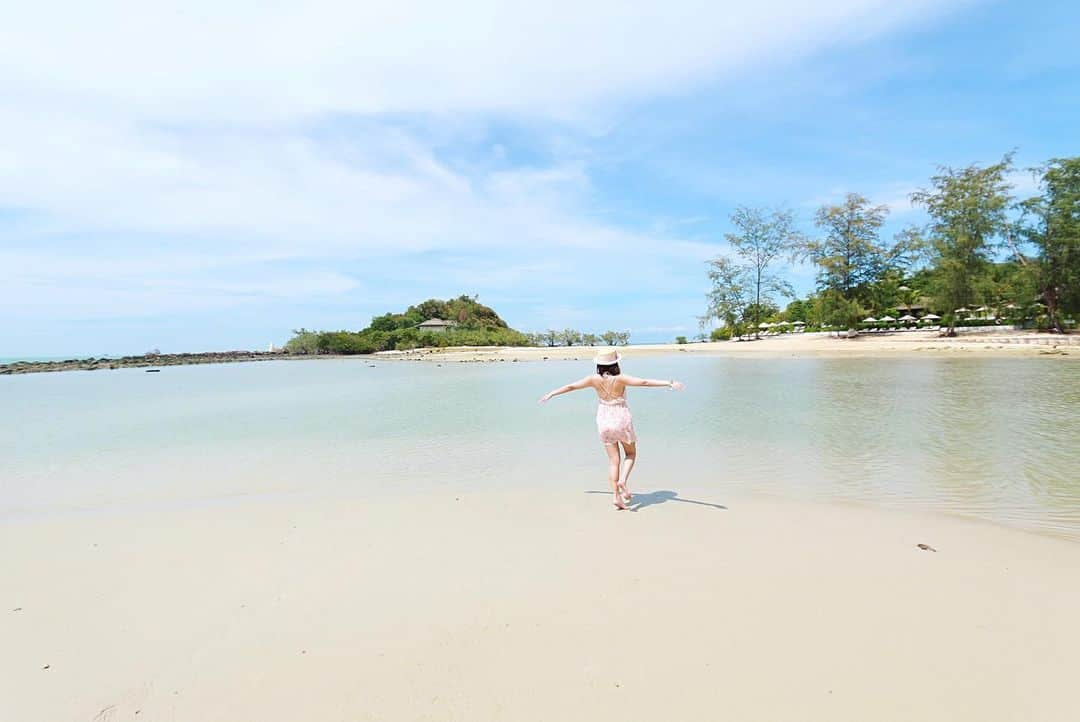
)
(887, 318)
(961, 310)
(982, 308)
(907, 317)
(764, 324)
(798, 323)
(869, 319)
(1011, 305)
(932, 317)
(783, 323)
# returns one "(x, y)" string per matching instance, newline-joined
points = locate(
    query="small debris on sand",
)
(926, 547)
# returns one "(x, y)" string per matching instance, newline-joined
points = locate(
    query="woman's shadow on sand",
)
(645, 499)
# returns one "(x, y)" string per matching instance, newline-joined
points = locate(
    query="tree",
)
(967, 208)
(610, 337)
(763, 311)
(303, 342)
(849, 254)
(884, 296)
(851, 257)
(432, 308)
(345, 343)
(763, 237)
(386, 322)
(730, 291)
(1002, 285)
(835, 310)
(622, 337)
(796, 311)
(720, 334)
(551, 338)
(589, 339)
(569, 337)
(1055, 232)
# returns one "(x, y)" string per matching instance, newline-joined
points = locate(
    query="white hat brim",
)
(597, 359)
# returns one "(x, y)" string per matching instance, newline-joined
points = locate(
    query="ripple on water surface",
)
(989, 438)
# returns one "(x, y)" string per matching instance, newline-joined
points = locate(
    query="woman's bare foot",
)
(619, 503)
(624, 493)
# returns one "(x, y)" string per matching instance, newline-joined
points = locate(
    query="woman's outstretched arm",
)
(635, 381)
(576, 386)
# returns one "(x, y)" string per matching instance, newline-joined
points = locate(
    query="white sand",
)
(889, 345)
(545, 606)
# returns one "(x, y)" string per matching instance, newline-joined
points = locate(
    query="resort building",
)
(435, 324)
(916, 308)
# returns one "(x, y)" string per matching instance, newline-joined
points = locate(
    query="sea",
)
(996, 439)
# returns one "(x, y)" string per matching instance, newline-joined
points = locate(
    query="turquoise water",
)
(990, 438)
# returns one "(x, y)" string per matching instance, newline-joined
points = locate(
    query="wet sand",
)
(534, 606)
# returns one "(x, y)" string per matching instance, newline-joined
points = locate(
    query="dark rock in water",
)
(153, 371)
(157, 360)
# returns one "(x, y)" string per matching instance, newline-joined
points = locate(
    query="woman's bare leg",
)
(614, 463)
(627, 466)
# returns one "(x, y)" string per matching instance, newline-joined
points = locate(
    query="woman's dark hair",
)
(609, 369)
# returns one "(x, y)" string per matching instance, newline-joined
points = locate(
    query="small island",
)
(461, 321)
(457, 322)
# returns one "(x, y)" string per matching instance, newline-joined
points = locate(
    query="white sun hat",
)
(606, 358)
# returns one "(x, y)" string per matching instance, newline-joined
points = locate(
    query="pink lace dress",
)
(613, 420)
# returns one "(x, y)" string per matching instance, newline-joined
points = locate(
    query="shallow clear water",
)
(990, 438)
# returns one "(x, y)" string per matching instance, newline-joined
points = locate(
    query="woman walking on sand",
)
(613, 419)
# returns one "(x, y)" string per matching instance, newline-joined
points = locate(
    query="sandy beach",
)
(1004, 343)
(534, 606)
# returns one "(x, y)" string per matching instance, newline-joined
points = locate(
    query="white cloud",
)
(192, 137)
(272, 60)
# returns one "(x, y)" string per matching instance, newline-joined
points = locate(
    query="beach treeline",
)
(985, 257)
(464, 322)
(573, 337)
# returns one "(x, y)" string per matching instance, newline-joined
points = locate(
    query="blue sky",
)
(213, 175)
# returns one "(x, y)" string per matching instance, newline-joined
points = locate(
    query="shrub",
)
(344, 342)
(303, 342)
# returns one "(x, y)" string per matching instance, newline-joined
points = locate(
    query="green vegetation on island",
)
(984, 258)
(461, 321)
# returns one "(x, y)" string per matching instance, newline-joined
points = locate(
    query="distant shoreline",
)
(900, 344)
(889, 345)
(143, 361)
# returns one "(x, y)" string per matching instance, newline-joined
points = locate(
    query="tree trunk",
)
(1050, 296)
